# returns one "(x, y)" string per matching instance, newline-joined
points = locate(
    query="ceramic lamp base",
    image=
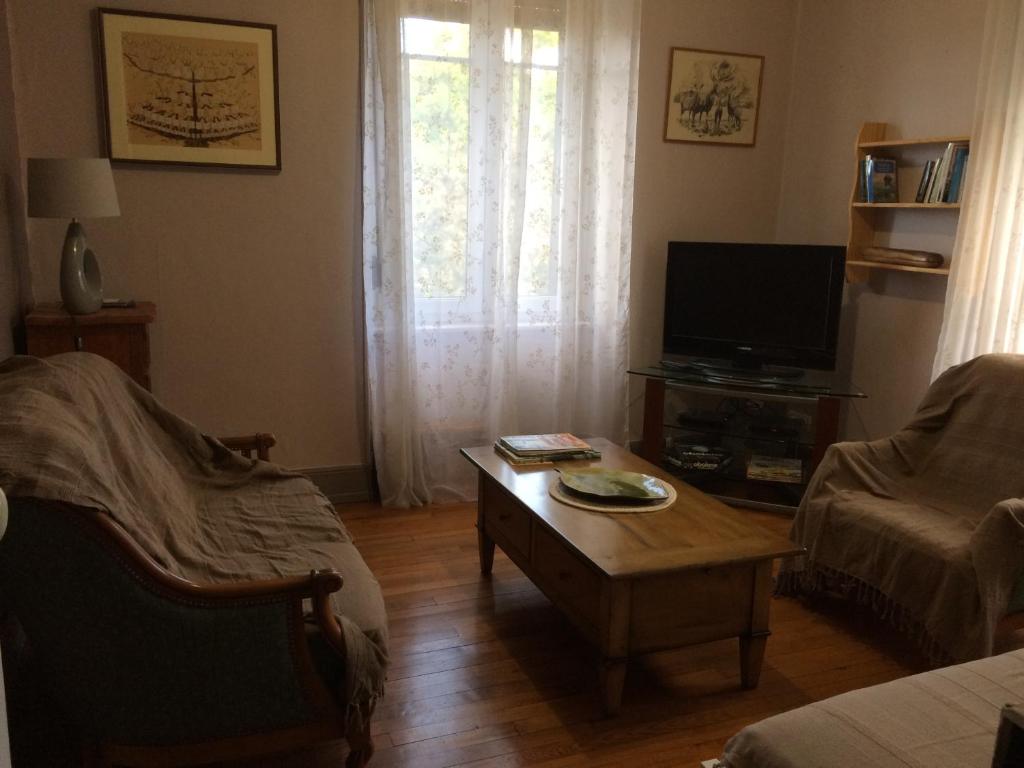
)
(81, 283)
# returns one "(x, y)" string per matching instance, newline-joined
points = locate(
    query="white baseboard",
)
(342, 484)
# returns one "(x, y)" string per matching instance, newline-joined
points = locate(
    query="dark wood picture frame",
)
(228, 118)
(714, 97)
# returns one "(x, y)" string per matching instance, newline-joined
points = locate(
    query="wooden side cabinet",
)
(120, 335)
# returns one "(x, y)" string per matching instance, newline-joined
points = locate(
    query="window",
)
(437, 71)
(498, 160)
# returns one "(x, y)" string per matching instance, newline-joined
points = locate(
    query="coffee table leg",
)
(751, 657)
(753, 642)
(486, 545)
(484, 542)
(613, 677)
(616, 607)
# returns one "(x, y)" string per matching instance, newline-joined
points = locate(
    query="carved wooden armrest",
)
(245, 625)
(317, 587)
(261, 443)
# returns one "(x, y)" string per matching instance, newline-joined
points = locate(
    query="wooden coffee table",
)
(633, 583)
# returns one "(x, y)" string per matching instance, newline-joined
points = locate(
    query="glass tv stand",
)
(750, 438)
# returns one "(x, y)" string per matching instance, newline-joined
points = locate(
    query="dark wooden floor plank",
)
(486, 673)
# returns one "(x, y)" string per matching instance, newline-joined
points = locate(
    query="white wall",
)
(912, 64)
(829, 66)
(255, 275)
(702, 192)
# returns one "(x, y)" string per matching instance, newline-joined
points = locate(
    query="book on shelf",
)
(943, 186)
(941, 170)
(931, 179)
(946, 182)
(960, 157)
(963, 178)
(926, 177)
(878, 180)
(775, 469)
(882, 180)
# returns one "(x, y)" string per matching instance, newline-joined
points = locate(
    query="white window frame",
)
(467, 310)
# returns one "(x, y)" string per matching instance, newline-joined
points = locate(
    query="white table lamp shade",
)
(71, 188)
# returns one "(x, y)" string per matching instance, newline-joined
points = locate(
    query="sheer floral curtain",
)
(984, 309)
(498, 194)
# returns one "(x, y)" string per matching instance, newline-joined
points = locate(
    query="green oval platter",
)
(613, 484)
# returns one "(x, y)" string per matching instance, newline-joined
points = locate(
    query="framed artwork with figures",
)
(713, 97)
(189, 90)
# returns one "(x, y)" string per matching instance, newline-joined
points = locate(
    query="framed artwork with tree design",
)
(713, 97)
(189, 90)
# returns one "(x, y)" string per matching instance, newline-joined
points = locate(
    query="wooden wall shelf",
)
(897, 267)
(896, 143)
(867, 219)
(938, 206)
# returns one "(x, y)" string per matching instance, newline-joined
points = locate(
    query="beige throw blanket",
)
(946, 718)
(927, 526)
(74, 428)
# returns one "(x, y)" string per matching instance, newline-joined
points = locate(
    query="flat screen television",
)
(754, 304)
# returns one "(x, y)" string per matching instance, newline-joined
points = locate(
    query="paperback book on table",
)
(529, 445)
(540, 449)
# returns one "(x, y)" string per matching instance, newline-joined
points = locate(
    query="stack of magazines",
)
(543, 449)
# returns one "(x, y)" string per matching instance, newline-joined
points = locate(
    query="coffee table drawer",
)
(560, 570)
(506, 522)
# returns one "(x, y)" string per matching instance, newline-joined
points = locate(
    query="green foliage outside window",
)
(437, 63)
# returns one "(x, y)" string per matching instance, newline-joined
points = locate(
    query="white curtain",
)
(984, 310)
(498, 194)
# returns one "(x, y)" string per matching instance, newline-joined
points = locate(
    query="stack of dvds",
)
(698, 458)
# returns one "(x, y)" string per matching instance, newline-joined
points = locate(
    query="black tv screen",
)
(754, 304)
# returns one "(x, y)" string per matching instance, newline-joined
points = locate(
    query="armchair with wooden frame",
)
(156, 670)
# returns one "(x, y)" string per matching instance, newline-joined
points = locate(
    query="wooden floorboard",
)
(487, 673)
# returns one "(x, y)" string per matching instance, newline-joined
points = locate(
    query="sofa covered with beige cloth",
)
(927, 526)
(946, 718)
(186, 603)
